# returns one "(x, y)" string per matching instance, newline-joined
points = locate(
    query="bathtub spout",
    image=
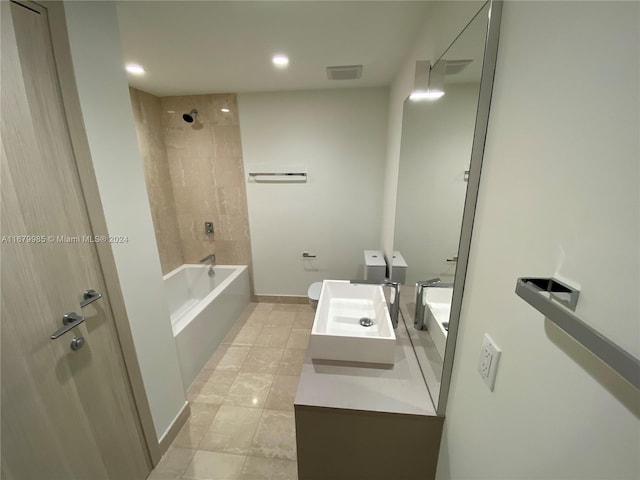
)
(211, 259)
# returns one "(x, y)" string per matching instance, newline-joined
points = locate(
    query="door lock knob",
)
(77, 343)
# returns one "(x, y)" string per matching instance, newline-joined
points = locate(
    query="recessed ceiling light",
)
(280, 60)
(426, 95)
(134, 68)
(225, 110)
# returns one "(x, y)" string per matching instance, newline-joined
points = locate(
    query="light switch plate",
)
(488, 361)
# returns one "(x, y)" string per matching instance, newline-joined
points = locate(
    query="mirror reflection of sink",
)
(339, 329)
(438, 303)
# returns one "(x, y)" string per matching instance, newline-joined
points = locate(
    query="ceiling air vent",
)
(344, 72)
(454, 67)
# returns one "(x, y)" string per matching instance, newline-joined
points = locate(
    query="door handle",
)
(70, 321)
(89, 297)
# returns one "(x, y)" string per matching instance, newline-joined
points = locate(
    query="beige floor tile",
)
(233, 358)
(283, 393)
(214, 466)
(214, 360)
(196, 426)
(291, 362)
(286, 307)
(275, 436)
(279, 318)
(233, 332)
(273, 337)
(263, 307)
(173, 464)
(258, 317)
(304, 320)
(299, 338)
(216, 388)
(202, 413)
(259, 468)
(262, 360)
(247, 335)
(247, 312)
(232, 430)
(249, 390)
(227, 418)
(197, 384)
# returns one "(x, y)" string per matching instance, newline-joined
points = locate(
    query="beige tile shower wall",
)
(207, 174)
(148, 118)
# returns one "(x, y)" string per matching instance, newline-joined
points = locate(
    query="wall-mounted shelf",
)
(543, 294)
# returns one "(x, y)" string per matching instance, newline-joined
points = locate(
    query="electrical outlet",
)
(488, 361)
(485, 362)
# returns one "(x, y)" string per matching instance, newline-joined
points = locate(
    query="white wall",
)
(558, 196)
(338, 138)
(104, 97)
(444, 22)
(435, 152)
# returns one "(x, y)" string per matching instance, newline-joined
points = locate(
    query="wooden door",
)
(65, 414)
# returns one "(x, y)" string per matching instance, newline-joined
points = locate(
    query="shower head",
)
(191, 116)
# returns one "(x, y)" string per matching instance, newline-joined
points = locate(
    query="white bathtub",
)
(203, 309)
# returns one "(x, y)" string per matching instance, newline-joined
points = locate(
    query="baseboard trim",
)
(173, 430)
(288, 299)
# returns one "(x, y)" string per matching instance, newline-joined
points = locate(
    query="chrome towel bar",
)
(275, 174)
(540, 294)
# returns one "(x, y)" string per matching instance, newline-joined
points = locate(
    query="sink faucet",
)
(212, 260)
(394, 301)
(418, 316)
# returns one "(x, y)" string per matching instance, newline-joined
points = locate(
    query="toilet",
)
(314, 294)
(375, 266)
(374, 271)
(398, 268)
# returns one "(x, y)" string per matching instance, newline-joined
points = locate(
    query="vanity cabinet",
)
(366, 421)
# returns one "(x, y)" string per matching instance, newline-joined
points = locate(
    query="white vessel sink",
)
(438, 303)
(337, 332)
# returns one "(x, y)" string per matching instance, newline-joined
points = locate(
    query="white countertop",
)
(399, 388)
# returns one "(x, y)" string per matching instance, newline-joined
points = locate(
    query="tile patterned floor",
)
(242, 424)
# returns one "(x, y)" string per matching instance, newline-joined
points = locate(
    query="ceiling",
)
(197, 47)
(469, 45)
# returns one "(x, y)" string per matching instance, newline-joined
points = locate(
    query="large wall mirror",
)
(440, 161)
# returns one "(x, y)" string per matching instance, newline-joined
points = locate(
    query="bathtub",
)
(203, 309)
